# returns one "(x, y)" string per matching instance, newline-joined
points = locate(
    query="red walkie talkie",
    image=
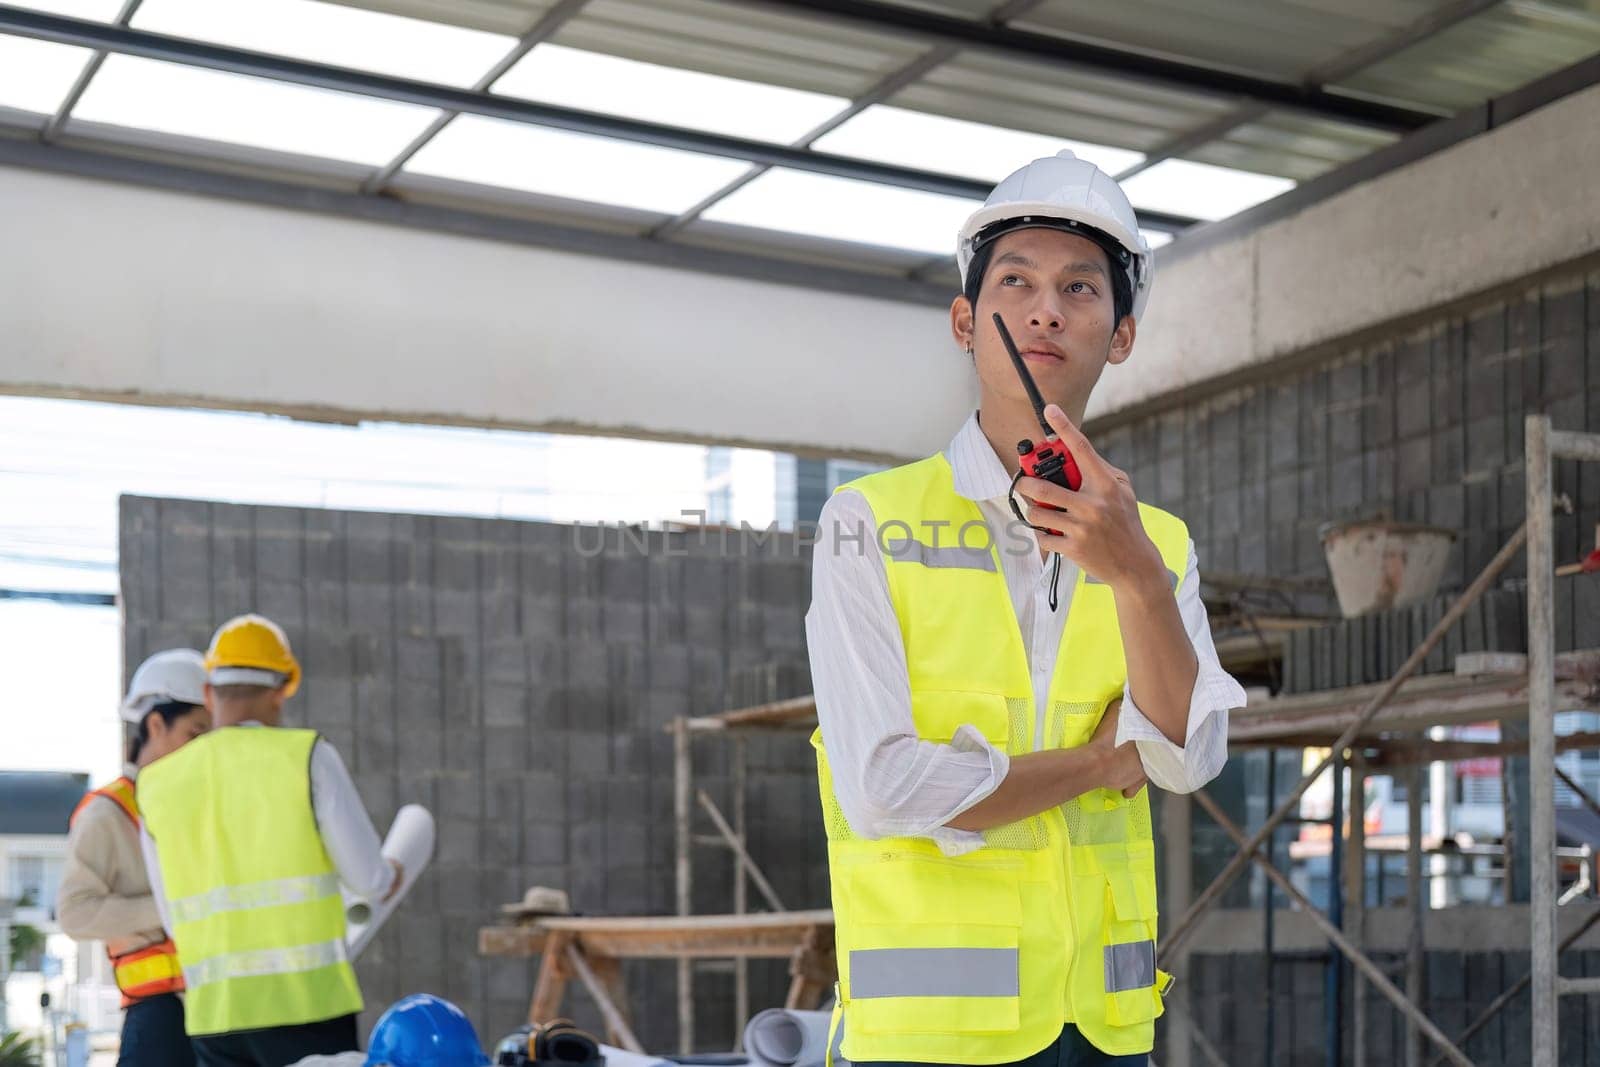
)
(1049, 460)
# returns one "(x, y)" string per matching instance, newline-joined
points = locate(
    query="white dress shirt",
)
(342, 820)
(889, 782)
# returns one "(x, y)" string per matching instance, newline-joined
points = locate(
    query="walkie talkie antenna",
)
(1022, 372)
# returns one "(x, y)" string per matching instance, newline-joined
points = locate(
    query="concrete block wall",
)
(1423, 421)
(518, 684)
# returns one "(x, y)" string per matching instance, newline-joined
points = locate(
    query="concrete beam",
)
(138, 295)
(1492, 210)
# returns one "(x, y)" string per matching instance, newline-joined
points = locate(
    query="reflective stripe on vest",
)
(259, 895)
(960, 556)
(933, 972)
(148, 972)
(266, 961)
(257, 916)
(1130, 966)
(982, 958)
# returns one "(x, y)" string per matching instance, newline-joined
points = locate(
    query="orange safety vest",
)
(152, 970)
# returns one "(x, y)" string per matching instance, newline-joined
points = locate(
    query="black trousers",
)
(152, 1034)
(277, 1046)
(1070, 1049)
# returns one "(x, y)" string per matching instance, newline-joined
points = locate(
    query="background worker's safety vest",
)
(983, 958)
(251, 893)
(150, 970)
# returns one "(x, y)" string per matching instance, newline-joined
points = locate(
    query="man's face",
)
(1053, 289)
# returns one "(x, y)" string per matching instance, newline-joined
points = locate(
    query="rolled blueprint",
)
(790, 1038)
(410, 843)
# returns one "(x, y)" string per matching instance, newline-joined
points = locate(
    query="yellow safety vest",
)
(252, 895)
(983, 958)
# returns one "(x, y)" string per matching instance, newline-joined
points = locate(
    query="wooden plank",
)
(760, 936)
(551, 987)
(710, 924)
(1425, 701)
(617, 1028)
(515, 941)
(795, 712)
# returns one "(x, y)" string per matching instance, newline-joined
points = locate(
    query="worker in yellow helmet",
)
(105, 892)
(248, 835)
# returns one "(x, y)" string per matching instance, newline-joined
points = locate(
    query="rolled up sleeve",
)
(1189, 766)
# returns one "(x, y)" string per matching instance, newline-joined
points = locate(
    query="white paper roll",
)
(790, 1038)
(410, 842)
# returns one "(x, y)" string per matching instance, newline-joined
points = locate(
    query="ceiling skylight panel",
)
(94, 10)
(650, 92)
(956, 146)
(334, 34)
(575, 166)
(37, 75)
(190, 102)
(844, 209)
(1200, 190)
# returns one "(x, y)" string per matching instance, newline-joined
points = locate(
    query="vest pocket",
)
(935, 948)
(939, 713)
(1129, 951)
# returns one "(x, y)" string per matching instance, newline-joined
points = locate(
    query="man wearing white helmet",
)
(105, 893)
(994, 692)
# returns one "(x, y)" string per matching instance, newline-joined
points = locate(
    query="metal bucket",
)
(1377, 564)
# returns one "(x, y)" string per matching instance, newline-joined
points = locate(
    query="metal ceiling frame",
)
(542, 29)
(125, 40)
(885, 87)
(1154, 70)
(1351, 62)
(52, 129)
(1462, 126)
(89, 159)
(119, 167)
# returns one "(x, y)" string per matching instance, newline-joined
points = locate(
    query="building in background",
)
(35, 807)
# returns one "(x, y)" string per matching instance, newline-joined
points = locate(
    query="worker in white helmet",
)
(105, 893)
(1001, 663)
(248, 835)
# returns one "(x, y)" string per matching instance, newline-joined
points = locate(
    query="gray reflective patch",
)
(268, 894)
(949, 556)
(1130, 966)
(934, 972)
(264, 962)
(1089, 579)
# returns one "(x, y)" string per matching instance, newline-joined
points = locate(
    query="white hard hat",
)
(177, 675)
(1063, 191)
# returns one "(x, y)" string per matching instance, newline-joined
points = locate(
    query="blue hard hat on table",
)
(424, 1031)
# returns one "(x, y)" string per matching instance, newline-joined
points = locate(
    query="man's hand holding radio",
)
(1098, 526)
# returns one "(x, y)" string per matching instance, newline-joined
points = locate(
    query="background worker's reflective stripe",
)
(264, 961)
(160, 967)
(1130, 966)
(951, 556)
(935, 972)
(255, 895)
